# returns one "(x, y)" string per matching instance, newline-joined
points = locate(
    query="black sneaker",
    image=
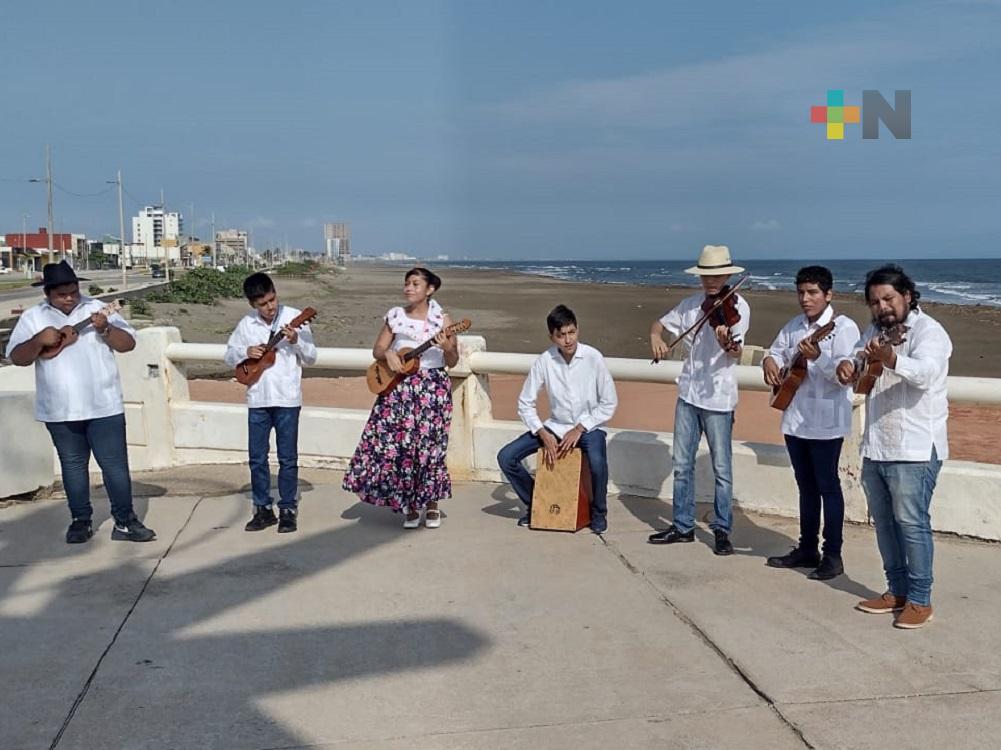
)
(79, 531)
(723, 545)
(286, 520)
(798, 558)
(671, 535)
(525, 520)
(830, 567)
(132, 530)
(263, 517)
(599, 524)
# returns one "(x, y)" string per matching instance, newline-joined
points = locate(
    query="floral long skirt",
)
(400, 461)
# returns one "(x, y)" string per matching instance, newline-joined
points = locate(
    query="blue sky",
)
(511, 130)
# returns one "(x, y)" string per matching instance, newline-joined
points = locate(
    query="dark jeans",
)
(285, 421)
(592, 443)
(105, 438)
(815, 464)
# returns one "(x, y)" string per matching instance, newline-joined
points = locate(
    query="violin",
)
(721, 310)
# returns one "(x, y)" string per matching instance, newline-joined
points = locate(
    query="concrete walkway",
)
(354, 633)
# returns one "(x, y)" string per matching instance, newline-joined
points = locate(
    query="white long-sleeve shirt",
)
(821, 409)
(581, 392)
(280, 384)
(907, 409)
(707, 377)
(81, 382)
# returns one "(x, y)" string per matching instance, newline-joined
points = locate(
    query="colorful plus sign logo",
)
(835, 114)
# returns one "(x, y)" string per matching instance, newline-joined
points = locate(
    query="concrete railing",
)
(166, 428)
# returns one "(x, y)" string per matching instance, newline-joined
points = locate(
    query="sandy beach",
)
(509, 310)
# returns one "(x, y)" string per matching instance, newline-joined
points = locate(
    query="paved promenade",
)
(353, 633)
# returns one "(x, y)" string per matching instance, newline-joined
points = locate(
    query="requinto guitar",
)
(249, 371)
(67, 333)
(794, 373)
(869, 370)
(381, 379)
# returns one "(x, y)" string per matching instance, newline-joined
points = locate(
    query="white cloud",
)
(768, 84)
(769, 225)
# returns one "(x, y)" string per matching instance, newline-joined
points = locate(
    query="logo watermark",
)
(874, 110)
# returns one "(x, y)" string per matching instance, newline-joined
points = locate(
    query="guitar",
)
(68, 334)
(381, 379)
(249, 371)
(868, 371)
(794, 373)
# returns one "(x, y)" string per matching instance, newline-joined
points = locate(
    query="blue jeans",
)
(105, 438)
(689, 424)
(815, 464)
(592, 443)
(285, 421)
(899, 495)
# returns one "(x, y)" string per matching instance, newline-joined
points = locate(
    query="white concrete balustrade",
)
(166, 428)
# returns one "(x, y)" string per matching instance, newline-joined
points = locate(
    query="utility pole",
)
(214, 263)
(121, 232)
(48, 179)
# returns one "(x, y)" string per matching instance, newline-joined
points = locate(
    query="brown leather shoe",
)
(913, 616)
(882, 605)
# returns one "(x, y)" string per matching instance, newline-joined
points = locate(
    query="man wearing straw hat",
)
(707, 396)
(78, 396)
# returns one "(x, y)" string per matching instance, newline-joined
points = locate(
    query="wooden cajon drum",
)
(562, 497)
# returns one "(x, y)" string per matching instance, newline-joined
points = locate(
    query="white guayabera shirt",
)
(822, 407)
(581, 392)
(907, 409)
(707, 377)
(280, 384)
(82, 381)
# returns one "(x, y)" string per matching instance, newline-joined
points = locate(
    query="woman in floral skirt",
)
(400, 461)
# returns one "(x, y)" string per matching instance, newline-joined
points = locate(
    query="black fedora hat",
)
(56, 274)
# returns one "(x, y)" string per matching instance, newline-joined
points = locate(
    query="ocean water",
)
(963, 282)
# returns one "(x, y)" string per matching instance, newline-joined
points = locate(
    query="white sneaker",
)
(432, 522)
(411, 523)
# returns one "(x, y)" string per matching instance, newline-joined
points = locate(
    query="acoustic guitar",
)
(869, 370)
(794, 373)
(381, 379)
(66, 333)
(249, 371)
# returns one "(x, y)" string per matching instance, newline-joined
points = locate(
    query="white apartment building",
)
(158, 234)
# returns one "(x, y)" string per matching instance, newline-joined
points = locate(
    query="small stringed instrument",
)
(869, 370)
(249, 371)
(794, 373)
(67, 334)
(713, 308)
(381, 379)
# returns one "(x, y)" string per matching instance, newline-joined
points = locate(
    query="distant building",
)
(158, 234)
(32, 248)
(338, 241)
(232, 246)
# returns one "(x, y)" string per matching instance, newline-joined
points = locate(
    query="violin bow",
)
(701, 321)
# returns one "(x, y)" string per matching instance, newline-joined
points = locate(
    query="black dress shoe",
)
(263, 517)
(830, 567)
(722, 546)
(798, 558)
(287, 522)
(671, 535)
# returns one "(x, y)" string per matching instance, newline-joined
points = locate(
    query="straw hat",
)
(714, 260)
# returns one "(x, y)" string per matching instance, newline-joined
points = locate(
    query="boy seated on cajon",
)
(581, 399)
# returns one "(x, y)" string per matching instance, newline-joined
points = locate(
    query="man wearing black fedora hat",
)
(78, 395)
